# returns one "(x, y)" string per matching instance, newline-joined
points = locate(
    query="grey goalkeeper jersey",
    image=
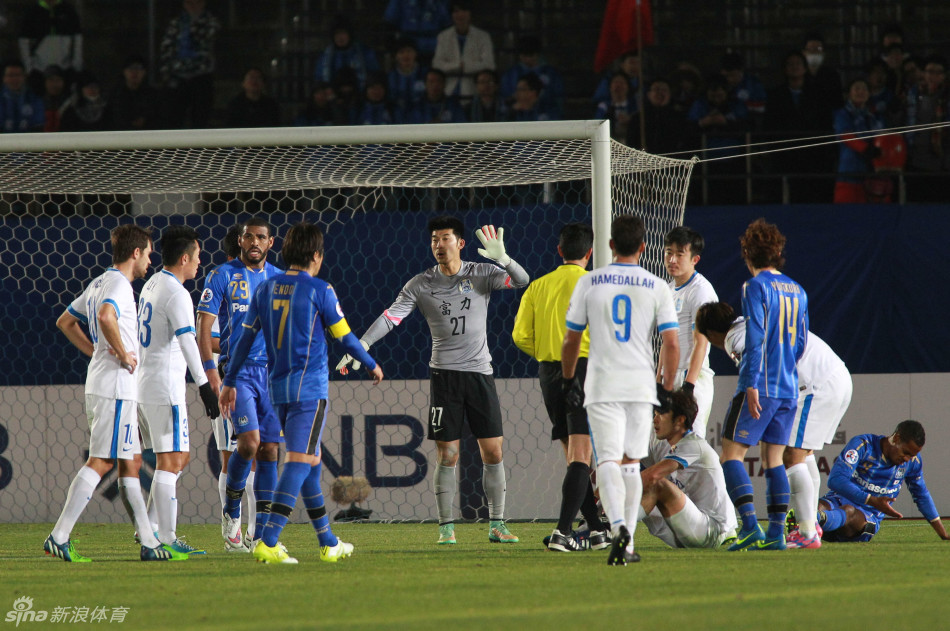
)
(456, 308)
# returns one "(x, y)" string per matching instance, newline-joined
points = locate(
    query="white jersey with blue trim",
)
(699, 476)
(687, 299)
(106, 377)
(816, 366)
(167, 343)
(622, 304)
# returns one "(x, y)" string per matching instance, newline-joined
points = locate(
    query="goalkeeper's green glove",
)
(348, 362)
(494, 244)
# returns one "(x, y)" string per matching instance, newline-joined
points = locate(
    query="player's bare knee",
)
(100, 465)
(268, 451)
(129, 468)
(448, 454)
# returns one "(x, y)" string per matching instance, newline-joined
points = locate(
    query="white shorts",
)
(224, 437)
(620, 429)
(689, 528)
(113, 428)
(164, 427)
(703, 392)
(820, 410)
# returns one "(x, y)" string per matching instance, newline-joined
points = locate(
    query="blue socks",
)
(238, 468)
(313, 500)
(284, 498)
(265, 481)
(834, 519)
(740, 492)
(777, 493)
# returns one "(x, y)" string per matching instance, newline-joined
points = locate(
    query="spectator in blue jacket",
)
(530, 61)
(345, 51)
(20, 109)
(375, 109)
(419, 21)
(407, 80)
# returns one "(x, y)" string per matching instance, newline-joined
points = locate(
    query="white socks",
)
(130, 489)
(812, 465)
(493, 482)
(633, 487)
(164, 485)
(80, 492)
(222, 488)
(445, 485)
(251, 515)
(802, 498)
(610, 483)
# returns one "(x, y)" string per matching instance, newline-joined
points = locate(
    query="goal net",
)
(372, 190)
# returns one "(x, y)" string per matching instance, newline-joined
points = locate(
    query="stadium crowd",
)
(438, 66)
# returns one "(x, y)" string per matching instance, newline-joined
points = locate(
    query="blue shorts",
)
(303, 423)
(252, 409)
(774, 424)
(872, 517)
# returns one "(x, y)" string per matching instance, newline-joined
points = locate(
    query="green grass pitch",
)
(399, 579)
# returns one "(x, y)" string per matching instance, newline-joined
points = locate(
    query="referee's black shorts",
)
(565, 419)
(457, 395)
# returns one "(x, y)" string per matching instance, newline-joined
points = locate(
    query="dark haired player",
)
(685, 502)
(291, 311)
(227, 296)
(867, 476)
(682, 248)
(453, 297)
(539, 331)
(776, 315)
(167, 346)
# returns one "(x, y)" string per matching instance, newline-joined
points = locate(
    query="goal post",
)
(372, 188)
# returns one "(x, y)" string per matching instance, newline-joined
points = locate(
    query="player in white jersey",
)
(824, 394)
(167, 346)
(107, 311)
(622, 304)
(682, 248)
(685, 502)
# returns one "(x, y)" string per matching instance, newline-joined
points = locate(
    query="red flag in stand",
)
(618, 34)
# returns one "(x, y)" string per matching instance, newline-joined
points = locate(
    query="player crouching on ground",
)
(867, 476)
(685, 502)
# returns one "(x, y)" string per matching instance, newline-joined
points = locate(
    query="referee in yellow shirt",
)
(539, 331)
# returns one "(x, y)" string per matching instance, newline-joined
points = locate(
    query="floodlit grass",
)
(399, 579)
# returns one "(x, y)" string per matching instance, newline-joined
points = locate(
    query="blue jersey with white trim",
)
(776, 312)
(292, 310)
(861, 470)
(227, 295)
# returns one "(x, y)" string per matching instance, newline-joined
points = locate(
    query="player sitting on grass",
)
(684, 502)
(867, 476)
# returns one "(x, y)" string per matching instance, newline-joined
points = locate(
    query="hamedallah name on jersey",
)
(618, 279)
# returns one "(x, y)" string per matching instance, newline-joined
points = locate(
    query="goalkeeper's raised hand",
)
(493, 244)
(343, 367)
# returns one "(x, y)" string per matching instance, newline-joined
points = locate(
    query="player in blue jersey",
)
(763, 409)
(867, 476)
(224, 438)
(291, 311)
(227, 296)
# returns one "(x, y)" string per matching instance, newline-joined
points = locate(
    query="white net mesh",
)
(58, 206)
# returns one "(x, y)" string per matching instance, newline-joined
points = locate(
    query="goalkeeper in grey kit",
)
(453, 296)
